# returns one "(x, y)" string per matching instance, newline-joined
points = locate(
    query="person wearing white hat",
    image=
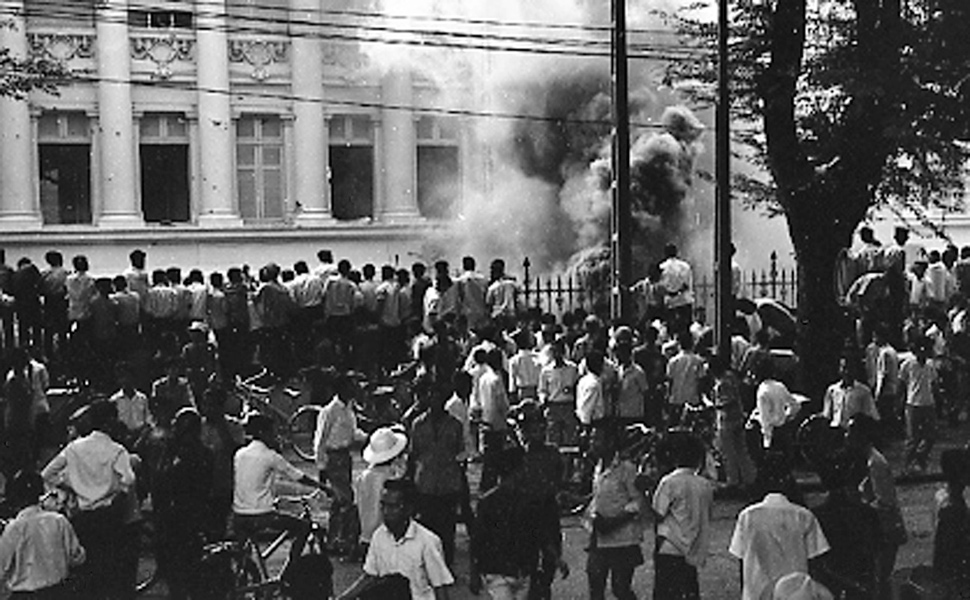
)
(800, 586)
(385, 458)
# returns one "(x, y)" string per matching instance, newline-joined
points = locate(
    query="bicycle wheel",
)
(248, 581)
(302, 426)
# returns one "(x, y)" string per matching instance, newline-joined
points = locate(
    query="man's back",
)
(94, 466)
(850, 527)
(37, 549)
(774, 538)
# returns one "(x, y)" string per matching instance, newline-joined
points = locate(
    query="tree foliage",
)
(20, 75)
(814, 81)
(841, 106)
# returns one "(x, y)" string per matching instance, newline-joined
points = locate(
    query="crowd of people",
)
(536, 401)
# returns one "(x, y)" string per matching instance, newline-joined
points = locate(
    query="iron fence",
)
(565, 292)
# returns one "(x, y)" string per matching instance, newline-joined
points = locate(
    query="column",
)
(310, 134)
(399, 168)
(217, 207)
(18, 203)
(119, 207)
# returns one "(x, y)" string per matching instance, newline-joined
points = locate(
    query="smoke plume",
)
(540, 165)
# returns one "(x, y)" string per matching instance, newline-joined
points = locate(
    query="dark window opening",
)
(438, 181)
(165, 183)
(160, 19)
(65, 183)
(352, 181)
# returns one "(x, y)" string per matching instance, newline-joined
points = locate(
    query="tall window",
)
(352, 166)
(64, 148)
(259, 167)
(164, 155)
(439, 185)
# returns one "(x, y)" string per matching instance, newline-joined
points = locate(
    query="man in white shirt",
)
(97, 470)
(38, 547)
(472, 288)
(886, 389)
(774, 538)
(557, 394)
(402, 546)
(491, 408)
(524, 369)
(677, 280)
(335, 433)
(590, 393)
(256, 468)
(502, 295)
(918, 379)
(131, 404)
(847, 397)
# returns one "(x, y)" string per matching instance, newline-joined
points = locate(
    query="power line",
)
(502, 23)
(424, 110)
(648, 51)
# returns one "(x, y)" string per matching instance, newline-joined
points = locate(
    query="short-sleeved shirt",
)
(417, 555)
(37, 549)
(256, 467)
(918, 381)
(435, 448)
(842, 402)
(95, 467)
(685, 371)
(632, 391)
(683, 500)
(774, 538)
(615, 492)
(557, 383)
(590, 399)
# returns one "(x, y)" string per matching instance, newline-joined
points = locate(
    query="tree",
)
(843, 105)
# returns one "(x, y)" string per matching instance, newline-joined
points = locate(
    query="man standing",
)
(632, 387)
(402, 546)
(136, 274)
(472, 288)
(847, 397)
(677, 280)
(491, 408)
(682, 503)
(557, 394)
(502, 295)
(436, 443)
(918, 378)
(684, 371)
(774, 538)
(53, 288)
(340, 300)
(97, 470)
(38, 547)
(335, 433)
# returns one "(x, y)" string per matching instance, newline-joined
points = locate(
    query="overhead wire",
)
(422, 38)
(356, 104)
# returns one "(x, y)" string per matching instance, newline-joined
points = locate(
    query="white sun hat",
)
(385, 444)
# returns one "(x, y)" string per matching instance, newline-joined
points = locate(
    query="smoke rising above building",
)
(541, 126)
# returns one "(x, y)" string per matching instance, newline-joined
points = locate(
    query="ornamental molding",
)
(345, 62)
(61, 47)
(259, 54)
(163, 50)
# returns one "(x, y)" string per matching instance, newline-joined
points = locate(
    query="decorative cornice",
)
(163, 50)
(259, 54)
(345, 62)
(61, 47)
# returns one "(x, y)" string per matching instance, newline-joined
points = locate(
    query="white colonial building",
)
(219, 131)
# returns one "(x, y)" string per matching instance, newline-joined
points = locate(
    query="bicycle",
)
(292, 431)
(242, 570)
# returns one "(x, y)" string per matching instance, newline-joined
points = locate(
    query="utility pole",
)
(621, 231)
(722, 208)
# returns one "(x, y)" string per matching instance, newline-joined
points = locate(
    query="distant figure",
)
(677, 279)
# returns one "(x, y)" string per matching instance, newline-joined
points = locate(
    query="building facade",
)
(220, 130)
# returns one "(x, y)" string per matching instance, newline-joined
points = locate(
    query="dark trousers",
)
(439, 513)
(344, 526)
(674, 579)
(493, 442)
(615, 564)
(920, 434)
(102, 534)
